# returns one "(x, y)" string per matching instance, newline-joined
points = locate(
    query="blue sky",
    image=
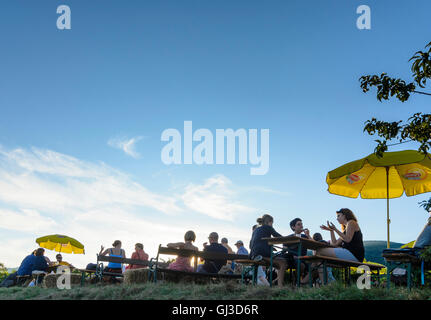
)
(129, 70)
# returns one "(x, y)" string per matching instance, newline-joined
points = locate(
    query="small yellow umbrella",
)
(61, 243)
(383, 178)
(408, 245)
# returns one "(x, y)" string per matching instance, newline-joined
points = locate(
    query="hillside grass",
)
(221, 291)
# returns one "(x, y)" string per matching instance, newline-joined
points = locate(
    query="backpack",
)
(91, 266)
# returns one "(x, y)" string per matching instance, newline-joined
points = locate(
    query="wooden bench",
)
(338, 263)
(23, 281)
(198, 254)
(100, 273)
(251, 266)
(397, 259)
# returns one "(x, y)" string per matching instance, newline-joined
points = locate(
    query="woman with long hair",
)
(349, 245)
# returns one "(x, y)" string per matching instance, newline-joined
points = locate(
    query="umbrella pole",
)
(388, 221)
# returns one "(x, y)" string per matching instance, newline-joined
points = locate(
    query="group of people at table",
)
(36, 261)
(348, 246)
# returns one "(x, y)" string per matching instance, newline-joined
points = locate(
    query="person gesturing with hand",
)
(349, 245)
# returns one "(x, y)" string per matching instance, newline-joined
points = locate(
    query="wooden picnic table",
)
(302, 243)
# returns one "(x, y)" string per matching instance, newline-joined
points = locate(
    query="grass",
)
(222, 291)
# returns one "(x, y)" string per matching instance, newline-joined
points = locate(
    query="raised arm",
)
(103, 253)
(330, 227)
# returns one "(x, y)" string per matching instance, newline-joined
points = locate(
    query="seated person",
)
(260, 247)
(318, 237)
(60, 262)
(213, 266)
(349, 245)
(241, 249)
(26, 265)
(139, 254)
(115, 251)
(39, 263)
(224, 242)
(424, 238)
(292, 250)
(183, 263)
(299, 231)
(24, 269)
(230, 264)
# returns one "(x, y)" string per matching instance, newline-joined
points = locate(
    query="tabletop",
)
(306, 243)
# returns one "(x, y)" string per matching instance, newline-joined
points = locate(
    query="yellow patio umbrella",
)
(61, 243)
(387, 177)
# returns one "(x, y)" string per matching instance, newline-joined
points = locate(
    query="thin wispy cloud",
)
(46, 192)
(127, 145)
(48, 181)
(25, 220)
(215, 198)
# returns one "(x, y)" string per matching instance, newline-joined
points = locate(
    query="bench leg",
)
(82, 278)
(270, 268)
(348, 275)
(345, 277)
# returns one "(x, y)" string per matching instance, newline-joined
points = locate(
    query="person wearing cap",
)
(349, 245)
(241, 249)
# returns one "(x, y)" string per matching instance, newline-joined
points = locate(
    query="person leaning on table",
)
(349, 245)
(260, 247)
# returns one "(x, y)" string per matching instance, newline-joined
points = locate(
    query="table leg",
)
(325, 273)
(298, 266)
(242, 274)
(310, 276)
(409, 275)
(388, 275)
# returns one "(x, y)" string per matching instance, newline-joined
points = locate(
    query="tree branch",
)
(420, 92)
